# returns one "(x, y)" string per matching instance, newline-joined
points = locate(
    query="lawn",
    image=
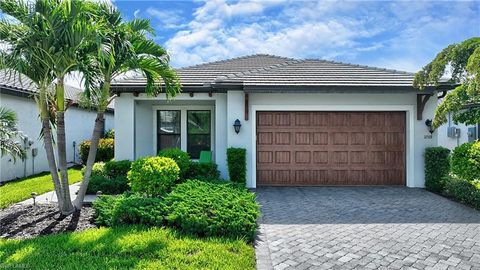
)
(126, 248)
(19, 190)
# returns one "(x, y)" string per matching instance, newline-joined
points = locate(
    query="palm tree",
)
(121, 48)
(9, 134)
(43, 44)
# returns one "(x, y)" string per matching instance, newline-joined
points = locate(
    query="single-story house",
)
(18, 94)
(303, 122)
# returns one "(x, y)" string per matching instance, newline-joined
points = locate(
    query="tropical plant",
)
(121, 47)
(464, 101)
(9, 135)
(43, 43)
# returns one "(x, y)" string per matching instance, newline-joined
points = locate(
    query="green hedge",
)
(437, 166)
(109, 177)
(237, 165)
(466, 161)
(212, 209)
(203, 171)
(181, 158)
(117, 168)
(105, 151)
(128, 209)
(153, 176)
(464, 191)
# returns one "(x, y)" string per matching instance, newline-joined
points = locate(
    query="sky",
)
(402, 35)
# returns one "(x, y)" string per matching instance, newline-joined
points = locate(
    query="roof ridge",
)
(236, 58)
(258, 70)
(362, 66)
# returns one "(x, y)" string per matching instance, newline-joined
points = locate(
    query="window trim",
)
(183, 123)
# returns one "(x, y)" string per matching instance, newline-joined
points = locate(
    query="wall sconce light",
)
(237, 125)
(428, 123)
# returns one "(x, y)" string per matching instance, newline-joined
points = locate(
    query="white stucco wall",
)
(78, 123)
(135, 126)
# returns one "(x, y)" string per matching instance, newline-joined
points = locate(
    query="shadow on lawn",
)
(126, 248)
(26, 221)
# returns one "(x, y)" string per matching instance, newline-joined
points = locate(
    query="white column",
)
(124, 127)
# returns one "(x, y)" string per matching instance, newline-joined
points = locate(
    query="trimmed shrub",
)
(107, 185)
(464, 191)
(109, 177)
(181, 158)
(213, 209)
(105, 151)
(437, 166)
(153, 176)
(109, 134)
(466, 161)
(97, 169)
(128, 209)
(237, 165)
(203, 171)
(115, 168)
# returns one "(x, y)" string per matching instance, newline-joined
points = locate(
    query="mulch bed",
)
(28, 221)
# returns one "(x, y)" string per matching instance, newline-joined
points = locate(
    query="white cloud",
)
(376, 33)
(167, 18)
(136, 12)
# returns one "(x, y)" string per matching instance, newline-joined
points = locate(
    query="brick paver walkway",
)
(365, 228)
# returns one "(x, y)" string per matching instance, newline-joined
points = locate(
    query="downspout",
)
(134, 132)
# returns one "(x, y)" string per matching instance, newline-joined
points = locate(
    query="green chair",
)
(205, 157)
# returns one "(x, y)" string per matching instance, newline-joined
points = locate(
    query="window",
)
(198, 132)
(168, 129)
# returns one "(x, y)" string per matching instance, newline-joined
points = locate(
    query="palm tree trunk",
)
(67, 207)
(48, 144)
(97, 132)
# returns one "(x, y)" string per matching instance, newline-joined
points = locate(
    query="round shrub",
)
(212, 209)
(437, 166)
(128, 209)
(203, 171)
(105, 151)
(466, 161)
(98, 169)
(153, 176)
(181, 158)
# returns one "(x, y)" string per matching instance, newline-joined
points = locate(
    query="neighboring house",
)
(303, 122)
(19, 95)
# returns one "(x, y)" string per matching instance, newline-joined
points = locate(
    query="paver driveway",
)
(365, 227)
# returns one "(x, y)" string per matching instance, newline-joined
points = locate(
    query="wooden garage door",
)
(330, 148)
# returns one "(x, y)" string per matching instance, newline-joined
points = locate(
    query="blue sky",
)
(403, 35)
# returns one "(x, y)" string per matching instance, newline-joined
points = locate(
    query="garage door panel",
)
(330, 148)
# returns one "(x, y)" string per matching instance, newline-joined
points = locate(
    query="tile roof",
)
(19, 83)
(320, 72)
(207, 73)
(262, 70)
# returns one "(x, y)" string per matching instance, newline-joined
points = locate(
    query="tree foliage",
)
(461, 63)
(9, 135)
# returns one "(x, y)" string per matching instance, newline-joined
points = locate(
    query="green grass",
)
(19, 190)
(126, 248)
